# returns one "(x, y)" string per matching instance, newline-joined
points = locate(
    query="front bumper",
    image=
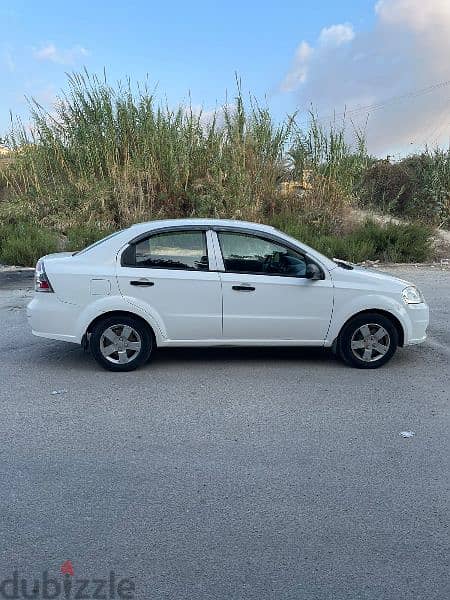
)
(418, 320)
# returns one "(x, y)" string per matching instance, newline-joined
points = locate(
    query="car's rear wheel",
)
(368, 341)
(121, 343)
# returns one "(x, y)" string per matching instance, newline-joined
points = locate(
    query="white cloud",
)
(406, 51)
(60, 56)
(299, 70)
(419, 15)
(336, 35)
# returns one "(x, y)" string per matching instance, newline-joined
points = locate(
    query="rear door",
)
(169, 273)
(266, 295)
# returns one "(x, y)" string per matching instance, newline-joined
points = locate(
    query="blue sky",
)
(197, 47)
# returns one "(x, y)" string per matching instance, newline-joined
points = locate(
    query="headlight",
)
(411, 295)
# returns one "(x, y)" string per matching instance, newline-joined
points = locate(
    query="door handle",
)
(142, 283)
(243, 288)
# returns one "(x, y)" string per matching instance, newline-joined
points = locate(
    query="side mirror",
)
(313, 272)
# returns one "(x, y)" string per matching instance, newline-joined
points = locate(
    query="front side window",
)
(246, 253)
(184, 250)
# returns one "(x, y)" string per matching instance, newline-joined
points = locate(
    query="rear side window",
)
(245, 253)
(185, 250)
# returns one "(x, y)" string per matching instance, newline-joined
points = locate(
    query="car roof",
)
(146, 226)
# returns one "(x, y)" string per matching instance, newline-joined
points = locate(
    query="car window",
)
(173, 250)
(246, 253)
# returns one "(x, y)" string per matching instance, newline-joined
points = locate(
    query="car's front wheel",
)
(121, 343)
(368, 341)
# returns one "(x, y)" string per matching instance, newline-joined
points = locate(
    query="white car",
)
(209, 282)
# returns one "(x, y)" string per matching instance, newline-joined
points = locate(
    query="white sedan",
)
(209, 282)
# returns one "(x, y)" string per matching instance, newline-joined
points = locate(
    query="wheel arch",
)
(385, 313)
(117, 313)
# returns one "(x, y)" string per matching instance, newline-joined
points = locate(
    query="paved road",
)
(227, 474)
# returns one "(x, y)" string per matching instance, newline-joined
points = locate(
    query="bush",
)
(81, 236)
(416, 187)
(369, 241)
(348, 248)
(396, 242)
(24, 243)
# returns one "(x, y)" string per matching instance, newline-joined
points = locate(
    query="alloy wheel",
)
(370, 342)
(120, 344)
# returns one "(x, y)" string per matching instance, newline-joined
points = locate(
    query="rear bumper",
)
(50, 318)
(419, 318)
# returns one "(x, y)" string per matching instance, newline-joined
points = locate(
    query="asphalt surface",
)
(228, 474)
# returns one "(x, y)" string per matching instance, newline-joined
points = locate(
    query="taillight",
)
(41, 282)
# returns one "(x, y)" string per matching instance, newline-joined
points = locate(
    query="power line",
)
(389, 101)
(436, 132)
(386, 103)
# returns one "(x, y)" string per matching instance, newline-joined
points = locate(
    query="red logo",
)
(67, 568)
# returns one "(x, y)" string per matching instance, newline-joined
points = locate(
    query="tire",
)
(121, 343)
(368, 341)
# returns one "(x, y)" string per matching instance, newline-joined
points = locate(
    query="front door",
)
(266, 295)
(168, 273)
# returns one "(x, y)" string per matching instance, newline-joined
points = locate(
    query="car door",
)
(168, 273)
(266, 293)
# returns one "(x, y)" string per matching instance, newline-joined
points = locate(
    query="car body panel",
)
(283, 308)
(187, 303)
(361, 289)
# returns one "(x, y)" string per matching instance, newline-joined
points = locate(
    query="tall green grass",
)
(114, 155)
(108, 156)
(325, 149)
